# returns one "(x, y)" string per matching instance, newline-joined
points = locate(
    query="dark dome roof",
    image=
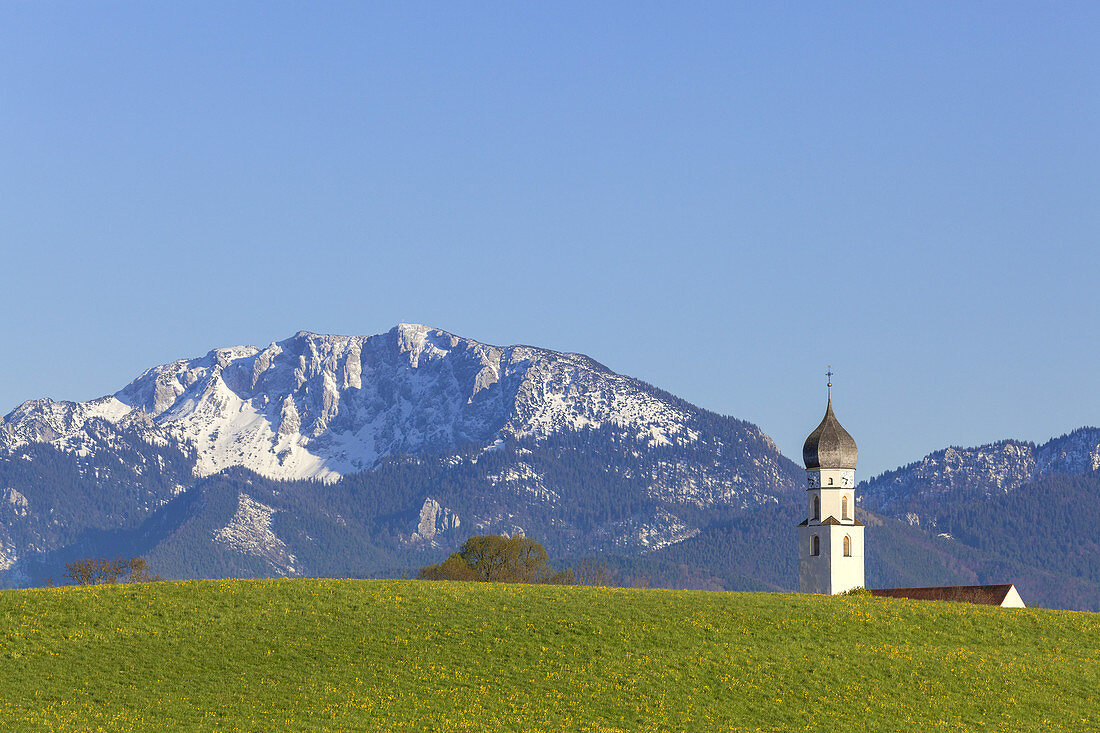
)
(830, 445)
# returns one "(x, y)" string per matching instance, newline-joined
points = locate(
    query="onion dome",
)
(830, 445)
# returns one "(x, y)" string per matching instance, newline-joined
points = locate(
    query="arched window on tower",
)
(830, 482)
(815, 546)
(844, 507)
(847, 546)
(817, 508)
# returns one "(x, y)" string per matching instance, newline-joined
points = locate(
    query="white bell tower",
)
(830, 540)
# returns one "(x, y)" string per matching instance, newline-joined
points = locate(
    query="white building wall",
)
(832, 503)
(830, 485)
(1013, 599)
(831, 571)
(845, 572)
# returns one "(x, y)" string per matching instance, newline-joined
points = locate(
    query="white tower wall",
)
(830, 455)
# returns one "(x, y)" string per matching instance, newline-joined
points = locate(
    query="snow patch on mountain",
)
(521, 479)
(1075, 453)
(61, 423)
(251, 532)
(646, 533)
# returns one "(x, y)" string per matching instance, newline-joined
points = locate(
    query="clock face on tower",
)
(831, 479)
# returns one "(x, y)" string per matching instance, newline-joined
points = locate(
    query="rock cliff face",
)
(435, 520)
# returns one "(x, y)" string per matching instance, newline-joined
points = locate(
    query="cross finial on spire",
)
(829, 374)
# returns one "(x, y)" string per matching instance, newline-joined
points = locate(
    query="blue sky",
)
(718, 198)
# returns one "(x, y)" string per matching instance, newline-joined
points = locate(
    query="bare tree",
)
(593, 572)
(99, 570)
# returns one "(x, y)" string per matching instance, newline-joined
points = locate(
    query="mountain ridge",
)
(1001, 466)
(302, 407)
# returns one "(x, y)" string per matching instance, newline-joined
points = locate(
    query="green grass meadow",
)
(333, 655)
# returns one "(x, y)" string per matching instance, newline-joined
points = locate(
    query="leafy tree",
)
(453, 568)
(493, 558)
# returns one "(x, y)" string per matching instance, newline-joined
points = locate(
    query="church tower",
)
(830, 541)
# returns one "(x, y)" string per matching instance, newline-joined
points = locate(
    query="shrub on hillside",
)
(859, 590)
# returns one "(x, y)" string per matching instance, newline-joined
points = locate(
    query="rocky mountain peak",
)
(317, 405)
(999, 467)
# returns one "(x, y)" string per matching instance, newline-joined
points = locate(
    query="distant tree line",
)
(99, 570)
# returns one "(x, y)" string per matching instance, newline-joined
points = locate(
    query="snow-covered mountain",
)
(912, 492)
(484, 438)
(317, 406)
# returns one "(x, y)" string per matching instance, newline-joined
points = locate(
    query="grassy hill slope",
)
(409, 655)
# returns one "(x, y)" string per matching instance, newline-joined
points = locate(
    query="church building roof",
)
(992, 595)
(833, 520)
(830, 445)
